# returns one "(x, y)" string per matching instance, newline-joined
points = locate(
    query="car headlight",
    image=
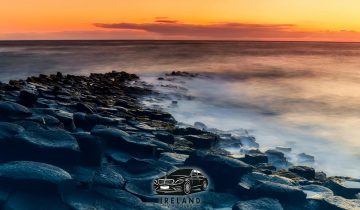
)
(155, 181)
(179, 181)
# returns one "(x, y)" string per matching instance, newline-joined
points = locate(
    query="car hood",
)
(173, 177)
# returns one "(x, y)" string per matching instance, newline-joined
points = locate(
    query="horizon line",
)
(183, 40)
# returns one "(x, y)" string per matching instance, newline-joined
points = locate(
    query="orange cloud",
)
(167, 29)
(234, 31)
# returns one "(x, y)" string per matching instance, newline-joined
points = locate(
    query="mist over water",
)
(300, 95)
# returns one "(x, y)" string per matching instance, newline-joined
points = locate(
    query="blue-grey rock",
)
(305, 159)
(32, 175)
(251, 180)
(173, 158)
(66, 118)
(82, 107)
(277, 159)
(106, 199)
(9, 130)
(200, 125)
(13, 111)
(89, 121)
(231, 168)
(91, 147)
(340, 203)
(258, 204)
(34, 201)
(303, 171)
(165, 136)
(279, 191)
(345, 187)
(123, 141)
(107, 176)
(28, 97)
(50, 146)
(254, 159)
(204, 141)
(316, 192)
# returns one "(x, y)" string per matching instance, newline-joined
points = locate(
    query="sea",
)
(301, 95)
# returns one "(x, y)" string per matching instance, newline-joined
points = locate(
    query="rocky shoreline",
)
(86, 142)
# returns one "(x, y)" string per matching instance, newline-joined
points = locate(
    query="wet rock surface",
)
(87, 142)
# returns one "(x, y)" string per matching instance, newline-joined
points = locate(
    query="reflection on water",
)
(306, 95)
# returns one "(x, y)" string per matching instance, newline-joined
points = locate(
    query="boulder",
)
(34, 201)
(32, 175)
(340, 203)
(13, 111)
(200, 125)
(254, 159)
(214, 200)
(231, 168)
(28, 97)
(283, 149)
(248, 141)
(107, 199)
(9, 130)
(316, 192)
(91, 147)
(49, 146)
(303, 171)
(66, 118)
(277, 159)
(118, 157)
(107, 176)
(204, 141)
(173, 158)
(165, 137)
(123, 141)
(346, 187)
(258, 204)
(82, 107)
(251, 180)
(279, 191)
(137, 166)
(143, 189)
(89, 121)
(305, 159)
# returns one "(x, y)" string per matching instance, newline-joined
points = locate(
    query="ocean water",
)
(303, 95)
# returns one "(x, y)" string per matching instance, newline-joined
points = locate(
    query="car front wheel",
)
(204, 185)
(187, 187)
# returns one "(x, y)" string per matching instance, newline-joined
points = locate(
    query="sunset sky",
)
(325, 20)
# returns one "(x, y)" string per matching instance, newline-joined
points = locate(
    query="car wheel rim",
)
(187, 188)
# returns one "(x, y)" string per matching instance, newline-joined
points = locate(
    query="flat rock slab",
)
(316, 192)
(107, 176)
(303, 171)
(231, 168)
(345, 187)
(251, 180)
(337, 202)
(258, 204)
(13, 111)
(28, 174)
(9, 130)
(123, 141)
(51, 146)
(34, 201)
(107, 199)
(279, 191)
(173, 158)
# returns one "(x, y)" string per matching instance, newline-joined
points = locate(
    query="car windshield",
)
(181, 172)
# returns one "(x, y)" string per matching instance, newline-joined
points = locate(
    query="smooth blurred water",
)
(300, 94)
